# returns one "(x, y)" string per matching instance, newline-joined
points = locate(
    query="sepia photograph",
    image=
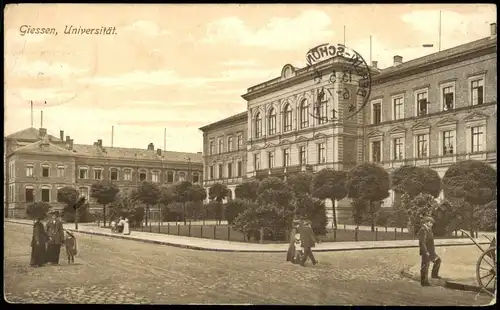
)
(250, 154)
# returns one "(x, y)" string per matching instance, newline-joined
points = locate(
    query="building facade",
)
(224, 149)
(39, 164)
(429, 112)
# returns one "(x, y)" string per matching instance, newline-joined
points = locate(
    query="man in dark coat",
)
(428, 252)
(308, 241)
(55, 233)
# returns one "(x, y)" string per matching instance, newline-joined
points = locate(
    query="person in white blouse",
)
(126, 227)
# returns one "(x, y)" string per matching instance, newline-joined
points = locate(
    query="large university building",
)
(38, 164)
(429, 112)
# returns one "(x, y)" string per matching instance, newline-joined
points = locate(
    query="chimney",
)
(158, 152)
(61, 135)
(374, 64)
(42, 132)
(398, 60)
(493, 29)
(70, 144)
(67, 139)
(151, 147)
(99, 143)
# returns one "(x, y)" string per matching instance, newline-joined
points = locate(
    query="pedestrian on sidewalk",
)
(126, 227)
(56, 238)
(308, 241)
(428, 252)
(292, 247)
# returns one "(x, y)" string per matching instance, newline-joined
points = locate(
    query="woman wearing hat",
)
(55, 232)
(428, 251)
(38, 251)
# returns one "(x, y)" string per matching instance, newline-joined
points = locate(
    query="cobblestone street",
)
(118, 271)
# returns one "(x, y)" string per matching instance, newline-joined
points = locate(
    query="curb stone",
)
(446, 283)
(214, 249)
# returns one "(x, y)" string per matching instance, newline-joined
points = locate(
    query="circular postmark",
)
(349, 79)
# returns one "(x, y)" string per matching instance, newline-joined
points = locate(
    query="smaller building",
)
(39, 164)
(224, 152)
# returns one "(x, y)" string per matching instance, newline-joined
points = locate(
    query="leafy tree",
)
(218, 192)
(415, 180)
(247, 190)
(104, 192)
(330, 184)
(185, 192)
(300, 183)
(486, 217)
(313, 209)
(149, 194)
(38, 210)
(358, 210)
(69, 196)
(420, 206)
(233, 209)
(368, 182)
(473, 182)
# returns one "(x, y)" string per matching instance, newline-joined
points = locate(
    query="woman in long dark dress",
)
(38, 247)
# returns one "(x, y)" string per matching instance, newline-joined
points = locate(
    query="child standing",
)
(70, 244)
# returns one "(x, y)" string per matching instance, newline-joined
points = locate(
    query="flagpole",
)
(440, 30)
(370, 50)
(31, 101)
(344, 35)
(165, 140)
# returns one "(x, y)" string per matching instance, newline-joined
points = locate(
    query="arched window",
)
(304, 114)
(287, 118)
(258, 125)
(272, 122)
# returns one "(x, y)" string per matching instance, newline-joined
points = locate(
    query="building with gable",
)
(37, 164)
(430, 112)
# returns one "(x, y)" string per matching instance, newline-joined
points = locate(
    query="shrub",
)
(486, 217)
(38, 210)
(233, 209)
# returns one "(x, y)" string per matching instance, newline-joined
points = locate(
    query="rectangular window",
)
(196, 178)
(240, 169)
(477, 92)
(98, 174)
(45, 195)
(221, 171)
(83, 173)
(212, 147)
(127, 175)
(240, 142)
(229, 170)
(61, 171)
(221, 146)
(155, 176)
(376, 151)
(448, 141)
(256, 161)
(170, 175)
(422, 103)
(11, 192)
(397, 145)
(448, 98)
(422, 145)
(377, 113)
(302, 155)
(477, 139)
(29, 171)
(270, 160)
(182, 176)
(286, 157)
(229, 144)
(398, 109)
(211, 172)
(114, 174)
(29, 194)
(321, 153)
(45, 171)
(142, 176)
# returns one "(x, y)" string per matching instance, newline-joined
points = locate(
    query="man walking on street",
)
(428, 252)
(308, 241)
(56, 238)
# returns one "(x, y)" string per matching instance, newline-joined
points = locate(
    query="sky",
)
(183, 66)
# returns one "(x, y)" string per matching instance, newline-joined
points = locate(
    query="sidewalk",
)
(230, 246)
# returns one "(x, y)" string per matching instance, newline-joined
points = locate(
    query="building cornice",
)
(227, 121)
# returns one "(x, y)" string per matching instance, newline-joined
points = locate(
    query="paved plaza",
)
(111, 270)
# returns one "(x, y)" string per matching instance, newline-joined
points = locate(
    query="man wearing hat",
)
(308, 241)
(428, 252)
(55, 233)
